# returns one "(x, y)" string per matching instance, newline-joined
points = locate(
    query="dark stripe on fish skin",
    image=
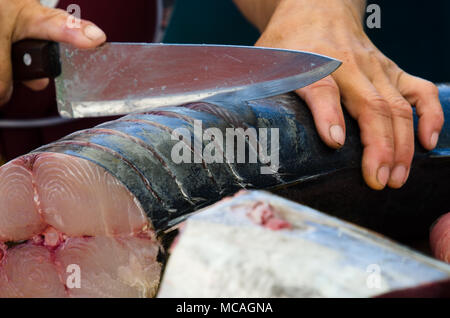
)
(204, 164)
(206, 190)
(167, 129)
(233, 121)
(131, 138)
(249, 173)
(226, 177)
(143, 158)
(217, 111)
(171, 114)
(185, 118)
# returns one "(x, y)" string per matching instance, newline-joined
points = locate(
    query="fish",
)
(289, 250)
(125, 183)
(115, 242)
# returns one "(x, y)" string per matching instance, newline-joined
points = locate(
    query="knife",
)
(122, 78)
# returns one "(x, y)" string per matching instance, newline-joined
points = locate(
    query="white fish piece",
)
(222, 252)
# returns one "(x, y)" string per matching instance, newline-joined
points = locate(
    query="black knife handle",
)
(35, 59)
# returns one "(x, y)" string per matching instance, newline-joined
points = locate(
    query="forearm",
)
(260, 12)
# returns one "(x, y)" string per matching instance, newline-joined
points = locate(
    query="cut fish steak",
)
(62, 216)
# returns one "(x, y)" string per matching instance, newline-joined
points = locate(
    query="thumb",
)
(38, 22)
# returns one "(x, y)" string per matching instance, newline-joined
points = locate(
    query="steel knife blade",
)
(122, 78)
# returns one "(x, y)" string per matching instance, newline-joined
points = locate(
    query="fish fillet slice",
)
(112, 267)
(19, 218)
(72, 212)
(79, 198)
(27, 271)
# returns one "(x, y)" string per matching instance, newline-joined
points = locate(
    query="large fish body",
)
(118, 185)
(137, 150)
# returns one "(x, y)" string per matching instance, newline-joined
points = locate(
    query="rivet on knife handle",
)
(35, 59)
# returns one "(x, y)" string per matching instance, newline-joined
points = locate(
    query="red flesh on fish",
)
(267, 216)
(64, 212)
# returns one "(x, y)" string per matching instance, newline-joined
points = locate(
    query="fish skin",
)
(310, 172)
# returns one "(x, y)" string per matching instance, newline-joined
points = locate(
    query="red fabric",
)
(123, 21)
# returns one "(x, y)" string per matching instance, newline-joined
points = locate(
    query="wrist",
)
(307, 17)
(327, 9)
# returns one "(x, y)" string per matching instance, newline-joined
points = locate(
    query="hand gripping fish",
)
(82, 216)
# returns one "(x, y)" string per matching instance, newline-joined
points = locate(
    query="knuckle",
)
(404, 147)
(383, 141)
(430, 88)
(387, 150)
(348, 57)
(406, 152)
(438, 119)
(326, 83)
(388, 63)
(374, 58)
(386, 142)
(375, 103)
(57, 16)
(401, 108)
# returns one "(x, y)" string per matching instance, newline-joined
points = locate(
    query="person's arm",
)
(375, 91)
(259, 12)
(23, 19)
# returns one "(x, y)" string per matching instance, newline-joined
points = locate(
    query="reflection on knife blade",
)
(121, 78)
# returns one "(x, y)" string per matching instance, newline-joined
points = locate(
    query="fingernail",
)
(434, 139)
(93, 32)
(337, 134)
(398, 175)
(383, 175)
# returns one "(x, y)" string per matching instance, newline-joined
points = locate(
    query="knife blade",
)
(122, 78)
